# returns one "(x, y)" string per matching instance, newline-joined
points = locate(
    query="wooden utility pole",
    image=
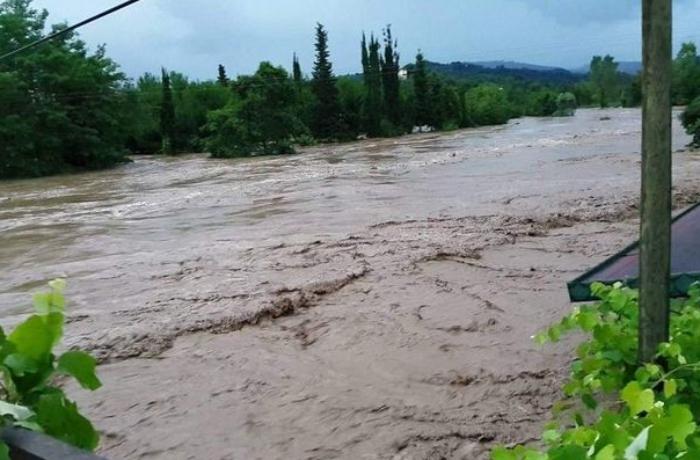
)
(655, 241)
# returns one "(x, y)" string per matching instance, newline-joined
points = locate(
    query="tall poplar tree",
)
(390, 78)
(167, 115)
(326, 123)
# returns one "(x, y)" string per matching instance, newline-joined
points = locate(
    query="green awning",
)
(624, 266)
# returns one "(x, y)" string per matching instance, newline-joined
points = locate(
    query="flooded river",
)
(404, 277)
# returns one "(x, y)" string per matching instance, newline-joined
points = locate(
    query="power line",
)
(68, 29)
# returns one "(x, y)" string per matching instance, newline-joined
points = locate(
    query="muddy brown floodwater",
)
(373, 300)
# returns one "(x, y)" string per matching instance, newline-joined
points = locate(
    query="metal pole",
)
(655, 226)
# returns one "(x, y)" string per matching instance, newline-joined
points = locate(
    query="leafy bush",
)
(691, 120)
(566, 105)
(614, 408)
(30, 397)
(486, 105)
(262, 121)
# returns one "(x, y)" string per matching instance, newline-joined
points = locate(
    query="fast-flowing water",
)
(99, 229)
(405, 278)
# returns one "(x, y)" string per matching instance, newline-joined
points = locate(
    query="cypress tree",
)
(223, 78)
(372, 110)
(421, 90)
(296, 69)
(365, 57)
(167, 115)
(326, 118)
(390, 78)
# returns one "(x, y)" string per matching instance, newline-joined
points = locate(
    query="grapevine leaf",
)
(81, 366)
(637, 399)
(679, 424)
(670, 388)
(4, 451)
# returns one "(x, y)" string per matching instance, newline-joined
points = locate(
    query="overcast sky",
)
(194, 36)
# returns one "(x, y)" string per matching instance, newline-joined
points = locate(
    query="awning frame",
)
(580, 291)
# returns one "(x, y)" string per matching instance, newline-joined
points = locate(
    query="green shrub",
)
(614, 408)
(486, 105)
(691, 121)
(30, 397)
(566, 105)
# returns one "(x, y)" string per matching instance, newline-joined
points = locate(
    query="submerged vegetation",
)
(615, 408)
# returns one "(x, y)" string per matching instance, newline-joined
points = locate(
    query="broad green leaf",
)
(568, 453)
(501, 453)
(637, 399)
(670, 388)
(54, 323)
(33, 338)
(4, 451)
(81, 366)
(20, 364)
(60, 418)
(606, 453)
(679, 424)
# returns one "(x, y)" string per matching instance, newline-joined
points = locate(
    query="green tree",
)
(222, 77)
(372, 106)
(486, 105)
(632, 95)
(62, 106)
(686, 74)
(352, 97)
(296, 69)
(544, 104)
(326, 119)
(566, 105)
(390, 78)
(167, 116)
(421, 91)
(691, 121)
(605, 79)
(261, 120)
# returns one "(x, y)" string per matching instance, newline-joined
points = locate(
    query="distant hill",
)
(626, 67)
(515, 65)
(503, 70)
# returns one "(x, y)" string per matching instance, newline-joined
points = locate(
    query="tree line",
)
(64, 108)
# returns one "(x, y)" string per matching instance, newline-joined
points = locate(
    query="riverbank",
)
(372, 301)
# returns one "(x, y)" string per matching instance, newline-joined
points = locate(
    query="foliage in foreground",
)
(30, 397)
(60, 106)
(690, 118)
(614, 408)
